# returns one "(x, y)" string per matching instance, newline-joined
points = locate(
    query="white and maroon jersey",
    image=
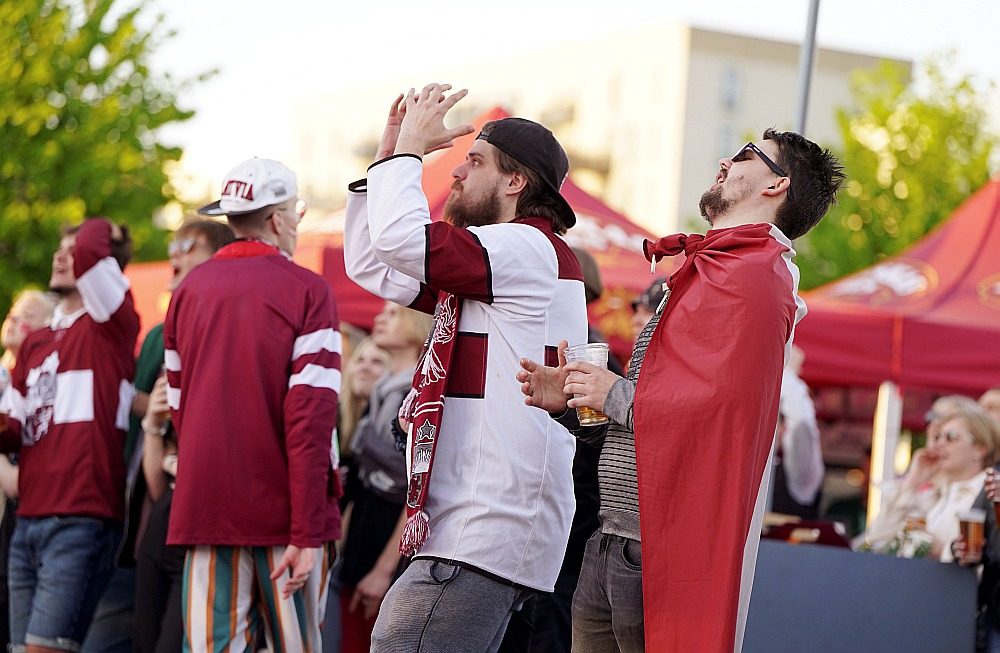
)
(253, 371)
(72, 390)
(501, 491)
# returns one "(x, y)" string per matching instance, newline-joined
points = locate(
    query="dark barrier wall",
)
(817, 598)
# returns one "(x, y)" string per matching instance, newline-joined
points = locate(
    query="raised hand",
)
(157, 406)
(422, 128)
(542, 386)
(992, 484)
(923, 466)
(391, 132)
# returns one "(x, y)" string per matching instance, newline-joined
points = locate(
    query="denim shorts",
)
(59, 567)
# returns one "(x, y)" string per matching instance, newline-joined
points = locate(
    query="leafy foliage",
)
(911, 158)
(79, 109)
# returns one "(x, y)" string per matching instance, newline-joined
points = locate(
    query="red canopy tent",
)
(926, 318)
(149, 290)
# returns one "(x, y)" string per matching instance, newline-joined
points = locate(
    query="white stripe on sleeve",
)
(316, 376)
(103, 288)
(174, 398)
(171, 361)
(126, 393)
(312, 343)
(335, 449)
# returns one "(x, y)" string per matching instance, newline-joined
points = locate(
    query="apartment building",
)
(644, 114)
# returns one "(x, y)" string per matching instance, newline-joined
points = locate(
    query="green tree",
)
(912, 154)
(79, 110)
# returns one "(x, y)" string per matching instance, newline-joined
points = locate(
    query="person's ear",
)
(781, 185)
(272, 224)
(517, 183)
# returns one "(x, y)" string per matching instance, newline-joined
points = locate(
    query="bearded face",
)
(62, 290)
(717, 201)
(464, 209)
(62, 282)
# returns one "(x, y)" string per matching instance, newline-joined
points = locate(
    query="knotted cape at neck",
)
(706, 407)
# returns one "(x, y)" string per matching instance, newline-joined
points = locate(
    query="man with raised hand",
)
(489, 527)
(253, 371)
(697, 411)
(69, 405)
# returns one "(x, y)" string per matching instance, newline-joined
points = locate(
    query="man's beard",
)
(62, 291)
(713, 204)
(464, 212)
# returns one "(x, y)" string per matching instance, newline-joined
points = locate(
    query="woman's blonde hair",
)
(416, 326)
(983, 427)
(351, 406)
(43, 301)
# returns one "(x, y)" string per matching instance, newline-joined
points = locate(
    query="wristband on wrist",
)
(150, 430)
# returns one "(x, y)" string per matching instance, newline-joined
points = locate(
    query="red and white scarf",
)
(423, 409)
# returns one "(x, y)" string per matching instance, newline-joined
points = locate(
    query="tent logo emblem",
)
(590, 234)
(898, 279)
(989, 291)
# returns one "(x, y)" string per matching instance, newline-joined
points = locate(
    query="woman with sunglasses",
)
(943, 481)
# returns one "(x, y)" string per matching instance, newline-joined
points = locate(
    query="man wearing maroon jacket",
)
(68, 406)
(253, 371)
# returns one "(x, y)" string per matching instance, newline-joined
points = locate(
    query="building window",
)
(730, 88)
(725, 146)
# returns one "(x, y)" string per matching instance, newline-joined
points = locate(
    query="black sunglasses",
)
(741, 155)
(775, 168)
(951, 436)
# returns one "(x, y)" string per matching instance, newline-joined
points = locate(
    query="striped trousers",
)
(229, 599)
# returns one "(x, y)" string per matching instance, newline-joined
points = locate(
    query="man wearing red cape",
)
(693, 422)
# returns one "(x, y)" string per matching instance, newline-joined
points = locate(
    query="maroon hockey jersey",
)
(71, 393)
(253, 368)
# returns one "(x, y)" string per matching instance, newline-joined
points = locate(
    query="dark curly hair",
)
(815, 175)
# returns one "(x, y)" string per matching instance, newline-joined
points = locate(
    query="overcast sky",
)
(270, 53)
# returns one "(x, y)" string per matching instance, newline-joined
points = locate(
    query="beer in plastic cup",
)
(595, 353)
(972, 523)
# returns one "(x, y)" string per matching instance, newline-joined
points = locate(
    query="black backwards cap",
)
(536, 148)
(652, 296)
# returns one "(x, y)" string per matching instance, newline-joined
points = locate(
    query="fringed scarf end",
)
(415, 533)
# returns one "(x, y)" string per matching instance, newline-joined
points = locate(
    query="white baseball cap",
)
(252, 185)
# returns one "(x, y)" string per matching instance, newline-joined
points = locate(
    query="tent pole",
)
(885, 437)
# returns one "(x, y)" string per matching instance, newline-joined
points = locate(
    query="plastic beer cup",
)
(595, 353)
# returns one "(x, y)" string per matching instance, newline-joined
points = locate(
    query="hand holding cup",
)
(587, 381)
(972, 533)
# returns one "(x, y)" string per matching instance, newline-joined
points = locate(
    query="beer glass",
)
(595, 353)
(972, 523)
